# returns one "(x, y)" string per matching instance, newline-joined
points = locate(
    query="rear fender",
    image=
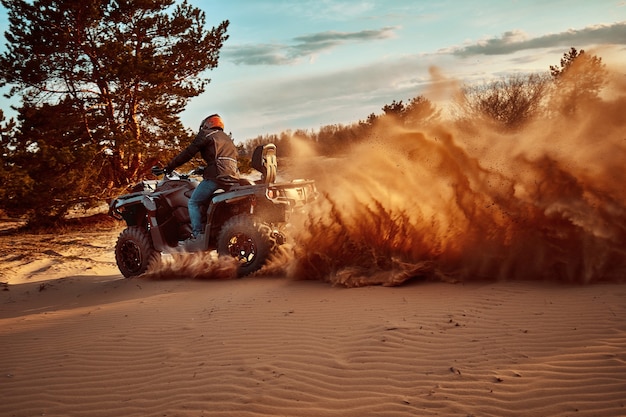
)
(224, 206)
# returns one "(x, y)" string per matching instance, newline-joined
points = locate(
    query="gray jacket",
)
(217, 149)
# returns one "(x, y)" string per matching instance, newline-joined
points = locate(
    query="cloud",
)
(341, 37)
(301, 100)
(517, 40)
(259, 54)
(302, 46)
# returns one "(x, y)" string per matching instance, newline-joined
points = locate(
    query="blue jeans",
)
(200, 195)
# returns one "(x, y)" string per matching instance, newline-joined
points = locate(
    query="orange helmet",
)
(213, 121)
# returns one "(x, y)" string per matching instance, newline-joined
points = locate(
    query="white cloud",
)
(516, 40)
(305, 46)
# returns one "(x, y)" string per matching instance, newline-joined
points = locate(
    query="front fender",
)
(129, 208)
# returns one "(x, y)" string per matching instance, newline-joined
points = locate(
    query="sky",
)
(305, 64)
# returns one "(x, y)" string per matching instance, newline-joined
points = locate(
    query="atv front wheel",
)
(134, 252)
(247, 240)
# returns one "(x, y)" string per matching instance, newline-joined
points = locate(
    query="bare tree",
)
(510, 102)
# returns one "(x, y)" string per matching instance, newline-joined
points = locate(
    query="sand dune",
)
(76, 339)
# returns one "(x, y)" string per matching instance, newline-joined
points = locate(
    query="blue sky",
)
(305, 64)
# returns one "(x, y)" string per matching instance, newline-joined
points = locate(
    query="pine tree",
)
(128, 68)
(578, 81)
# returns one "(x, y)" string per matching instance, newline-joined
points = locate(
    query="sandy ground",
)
(77, 339)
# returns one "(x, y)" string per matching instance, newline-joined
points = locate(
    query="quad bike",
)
(244, 219)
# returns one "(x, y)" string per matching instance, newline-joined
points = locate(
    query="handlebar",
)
(156, 170)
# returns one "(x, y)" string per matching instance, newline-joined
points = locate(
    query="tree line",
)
(506, 104)
(102, 84)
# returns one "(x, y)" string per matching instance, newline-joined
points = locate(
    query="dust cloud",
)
(461, 200)
(198, 265)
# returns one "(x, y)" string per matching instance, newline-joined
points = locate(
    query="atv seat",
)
(226, 184)
(245, 181)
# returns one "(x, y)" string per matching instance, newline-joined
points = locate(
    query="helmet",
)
(213, 121)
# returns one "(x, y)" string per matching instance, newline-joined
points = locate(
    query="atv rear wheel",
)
(134, 252)
(247, 240)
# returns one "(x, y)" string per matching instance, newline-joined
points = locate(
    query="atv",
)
(244, 219)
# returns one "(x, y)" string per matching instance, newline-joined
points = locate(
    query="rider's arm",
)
(188, 153)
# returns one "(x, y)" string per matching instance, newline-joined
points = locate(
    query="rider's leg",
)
(200, 195)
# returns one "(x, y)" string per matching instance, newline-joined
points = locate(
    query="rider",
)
(220, 154)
